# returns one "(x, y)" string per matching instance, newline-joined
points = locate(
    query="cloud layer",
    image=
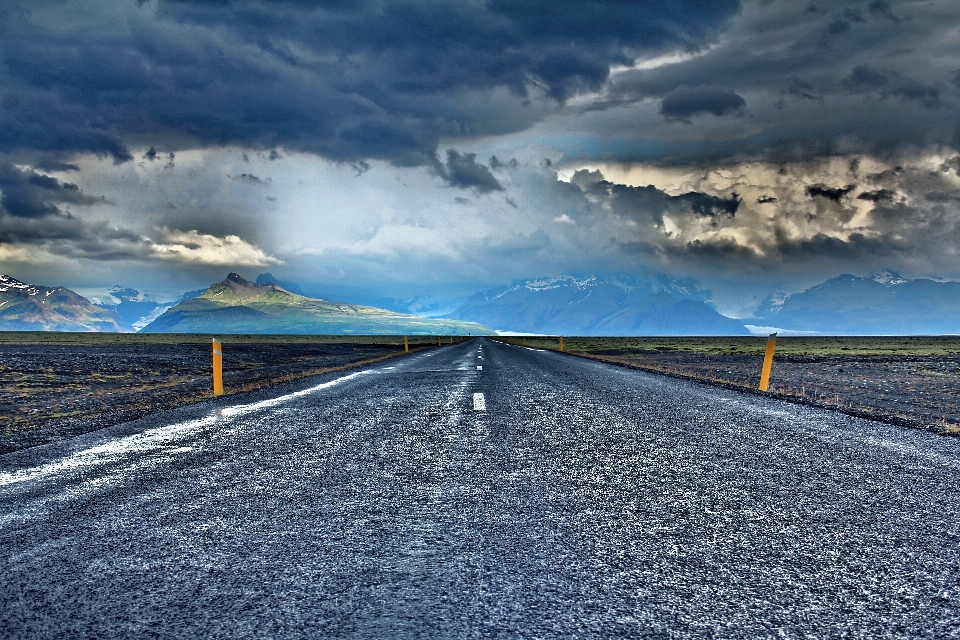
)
(351, 81)
(377, 141)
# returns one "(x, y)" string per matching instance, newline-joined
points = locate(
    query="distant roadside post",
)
(217, 368)
(768, 361)
(561, 343)
(406, 345)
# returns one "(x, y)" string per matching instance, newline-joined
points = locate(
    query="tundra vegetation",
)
(908, 380)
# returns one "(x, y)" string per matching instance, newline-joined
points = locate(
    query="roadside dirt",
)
(918, 391)
(52, 391)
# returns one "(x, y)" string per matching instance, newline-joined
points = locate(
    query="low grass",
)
(893, 346)
(98, 339)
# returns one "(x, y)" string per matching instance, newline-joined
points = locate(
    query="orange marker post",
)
(217, 368)
(406, 345)
(561, 343)
(768, 361)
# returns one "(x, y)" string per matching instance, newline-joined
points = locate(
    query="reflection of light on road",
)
(229, 412)
(157, 440)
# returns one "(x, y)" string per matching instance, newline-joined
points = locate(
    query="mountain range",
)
(880, 304)
(27, 307)
(570, 305)
(237, 305)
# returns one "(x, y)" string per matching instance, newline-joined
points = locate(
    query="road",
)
(542, 495)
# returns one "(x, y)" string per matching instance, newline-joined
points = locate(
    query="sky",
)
(440, 147)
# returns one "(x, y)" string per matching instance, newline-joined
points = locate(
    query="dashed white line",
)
(479, 367)
(479, 402)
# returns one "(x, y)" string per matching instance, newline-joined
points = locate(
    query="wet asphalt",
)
(584, 500)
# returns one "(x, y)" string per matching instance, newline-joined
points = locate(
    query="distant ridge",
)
(28, 307)
(882, 303)
(267, 278)
(592, 305)
(236, 305)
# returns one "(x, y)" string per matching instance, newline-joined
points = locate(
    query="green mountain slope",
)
(240, 306)
(26, 307)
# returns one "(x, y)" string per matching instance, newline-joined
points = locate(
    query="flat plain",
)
(906, 380)
(56, 385)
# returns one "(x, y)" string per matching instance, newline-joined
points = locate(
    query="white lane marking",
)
(155, 439)
(479, 402)
(479, 367)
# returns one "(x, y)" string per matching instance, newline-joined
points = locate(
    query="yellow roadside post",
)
(217, 368)
(768, 361)
(406, 345)
(524, 342)
(439, 341)
(561, 343)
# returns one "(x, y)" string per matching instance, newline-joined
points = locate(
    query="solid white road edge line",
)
(156, 438)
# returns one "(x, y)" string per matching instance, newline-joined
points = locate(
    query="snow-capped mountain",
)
(28, 307)
(881, 303)
(595, 305)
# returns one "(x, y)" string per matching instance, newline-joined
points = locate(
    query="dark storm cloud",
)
(652, 203)
(877, 196)
(685, 102)
(27, 194)
(31, 214)
(865, 78)
(882, 9)
(830, 193)
(248, 178)
(350, 81)
(495, 163)
(883, 87)
(704, 204)
(463, 170)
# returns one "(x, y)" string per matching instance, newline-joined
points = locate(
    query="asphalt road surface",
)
(540, 496)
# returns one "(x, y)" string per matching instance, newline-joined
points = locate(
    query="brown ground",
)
(58, 385)
(911, 381)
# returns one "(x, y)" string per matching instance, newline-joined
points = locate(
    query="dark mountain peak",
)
(238, 279)
(242, 287)
(268, 278)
